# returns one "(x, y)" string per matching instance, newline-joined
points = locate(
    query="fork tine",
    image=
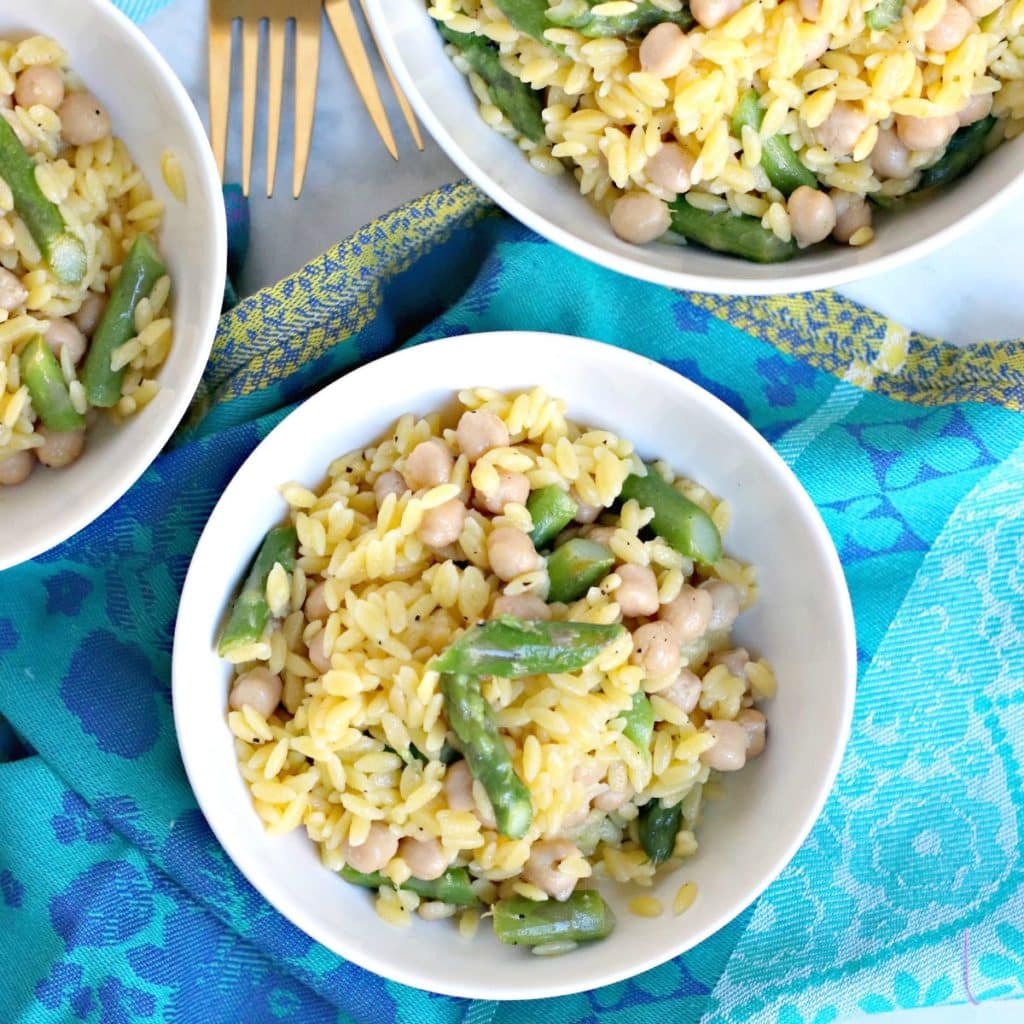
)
(346, 30)
(403, 103)
(307, 67)
(275, 39)
(250, 68)
(219, 84)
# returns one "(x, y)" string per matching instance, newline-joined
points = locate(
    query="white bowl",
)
(747, 836)
(151, 112)
(554, 208)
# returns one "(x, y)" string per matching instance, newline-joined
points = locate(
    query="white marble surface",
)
(969, 291)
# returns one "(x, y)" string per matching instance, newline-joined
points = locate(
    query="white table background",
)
(969, 291)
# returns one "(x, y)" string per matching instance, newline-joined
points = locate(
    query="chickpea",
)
(926, 132)
(810, 10)
(83, 119)
(425, 858)
(479, 432)
(839, 132)
(430, 463)
(16, 468)
(670, 168)
(511, 553)
(390, 482)
(316, 604)
(665, 51)
(755, 724)
(725, 604)
(613, 799)
(61, 334)
(373, 854)
(951, 29)
(542, 867)
(319, 655)
(890, 158)
(812, 215)
(528, 607)
(259, 688)
(40, 84)
(59, 448)
(689, 613)
(513, 488)
(975, 109)
(639, 217)
(853, 212)
(459, 791)
(656, 649)
(442, 525)
(683, 691)
(12, 292)
(637, 594)
(710, 13)
(729, 754)
(89, 314)
(6, 101)
(735, 661)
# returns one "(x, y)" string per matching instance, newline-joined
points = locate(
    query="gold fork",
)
(277, 13)
(346, 31)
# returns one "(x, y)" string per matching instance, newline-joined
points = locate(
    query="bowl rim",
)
(193, 755)
(122, 476)
(682, 279)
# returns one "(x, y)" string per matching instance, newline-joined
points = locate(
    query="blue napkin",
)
(121, 906)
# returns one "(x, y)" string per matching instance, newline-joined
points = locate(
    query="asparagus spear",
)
(659, 825)
(575, 567)
(515, 99)
(141, 270)
(472, 721)
(780, 163)
(583, 917)
(64, 251)
(512, 648)
(579, 15)
(551, 509)
(964, 150)
(639, 727)
(47, 387)
(250, 612)
(529, 16)
(884, 14)
(737, 234)
(684, 525)
(452, 887)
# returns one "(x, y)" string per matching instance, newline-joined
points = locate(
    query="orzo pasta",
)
(489, 662)
(84, 320)
(754, 127)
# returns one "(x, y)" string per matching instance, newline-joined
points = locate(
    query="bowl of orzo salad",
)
(505, 673)
(112, 255)
(739, 146)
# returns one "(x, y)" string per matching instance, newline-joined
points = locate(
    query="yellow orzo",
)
(681, 116)
(442, 531)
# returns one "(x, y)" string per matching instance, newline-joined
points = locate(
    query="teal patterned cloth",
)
(116, 903)
(909, 892)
